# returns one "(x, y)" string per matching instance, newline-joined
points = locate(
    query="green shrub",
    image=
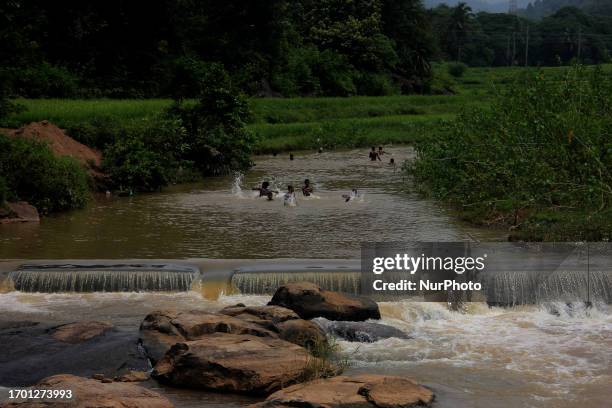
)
(373, 84)
(97, 132)
(34, 174)
(457, 69)
(147, 155)
(544, 144)
(6, 105)
(217, 139)
(4, 192)
(44, 81)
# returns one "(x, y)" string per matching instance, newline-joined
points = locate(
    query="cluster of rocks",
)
(257, 350)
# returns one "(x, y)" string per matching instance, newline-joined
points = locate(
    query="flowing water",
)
(222, 217)
(542, 355)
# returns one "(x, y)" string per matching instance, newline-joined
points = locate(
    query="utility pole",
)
(508, 51)
(579, 42)
(527, 47)
(513, 7)
(513, 47)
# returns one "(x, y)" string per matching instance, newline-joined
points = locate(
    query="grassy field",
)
(306, 123)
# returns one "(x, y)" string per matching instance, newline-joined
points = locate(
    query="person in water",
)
(374, 155)
(289, 197)
(307, 188)
(381, 151)
(265, 191)
(352, 195)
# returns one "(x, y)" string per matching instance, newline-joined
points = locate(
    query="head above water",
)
(373, 148)
(265, 184)
(379, 147)
(307, 182)
(290, 188)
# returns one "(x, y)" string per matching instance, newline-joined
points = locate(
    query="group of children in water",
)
(289, 196)
(307, 189)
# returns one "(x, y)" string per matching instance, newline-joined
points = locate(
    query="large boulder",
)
(261, 314)
(363, 332)
(92, 393)
(309, 301)
(80, 331)
(233, 363)
(18, 212)
(32, 351)
(160, 330)
(285, 322)
(364, 391)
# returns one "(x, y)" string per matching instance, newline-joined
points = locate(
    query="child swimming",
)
(374, 155)
(307, 189)
(264, 191)
(289, 197)
(348, 197)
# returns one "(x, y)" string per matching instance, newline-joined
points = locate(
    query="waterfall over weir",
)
(266, 283)
(141, 277)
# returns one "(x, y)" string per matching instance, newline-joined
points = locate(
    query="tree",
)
(405, 22)
(459, 25)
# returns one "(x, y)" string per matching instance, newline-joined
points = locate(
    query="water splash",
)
(237, 185)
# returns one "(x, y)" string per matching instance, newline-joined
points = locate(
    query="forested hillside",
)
(542, 8)
(119, 49)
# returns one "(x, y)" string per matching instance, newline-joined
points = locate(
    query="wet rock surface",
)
(309, 301)
(160, 330)
(30, 353)
(79, 332)
(364, 332)
(364, 391)
(88, 393)
(233, 363)
(18, 212)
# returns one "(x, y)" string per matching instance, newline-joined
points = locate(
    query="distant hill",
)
(534, 9)
(543, 8)
(491, 6)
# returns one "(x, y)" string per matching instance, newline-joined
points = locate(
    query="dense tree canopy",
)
(486, 39)
(116, 48)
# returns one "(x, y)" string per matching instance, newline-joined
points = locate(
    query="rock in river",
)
(92, 393)
(80, 331)
(233, 363)
(162, 329)
(364, 332)
(309, 300)
(364, 391)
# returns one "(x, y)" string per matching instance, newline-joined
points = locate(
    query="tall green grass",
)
(308, 123)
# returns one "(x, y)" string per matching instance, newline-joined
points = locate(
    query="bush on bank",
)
(544, 144)
(209, 136)
(32, 173)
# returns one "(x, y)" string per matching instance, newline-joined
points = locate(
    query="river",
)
(219, 218)
(551, 355)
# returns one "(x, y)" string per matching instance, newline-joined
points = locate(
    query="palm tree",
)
(460, 22)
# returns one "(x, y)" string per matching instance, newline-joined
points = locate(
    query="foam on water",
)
(553, 346)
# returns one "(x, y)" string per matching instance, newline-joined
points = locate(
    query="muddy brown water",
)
(541, 356)
(219, 218)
